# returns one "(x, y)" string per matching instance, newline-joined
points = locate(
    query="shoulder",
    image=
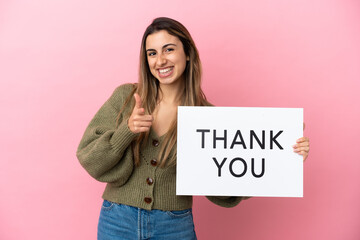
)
(121, 94)
(124, 89)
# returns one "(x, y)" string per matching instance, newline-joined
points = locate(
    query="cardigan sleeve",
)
(104, 150)
(225, 201)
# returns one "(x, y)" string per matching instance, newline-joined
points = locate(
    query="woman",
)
(131, 142)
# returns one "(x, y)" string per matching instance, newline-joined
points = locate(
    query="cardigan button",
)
(155, 143)
(148, 200)
(149, 181)
(153, 162)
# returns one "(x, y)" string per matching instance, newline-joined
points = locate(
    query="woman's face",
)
(166, 57)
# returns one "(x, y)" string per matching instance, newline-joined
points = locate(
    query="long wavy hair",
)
(148, 87)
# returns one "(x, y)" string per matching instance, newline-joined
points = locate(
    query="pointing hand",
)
(138, 121)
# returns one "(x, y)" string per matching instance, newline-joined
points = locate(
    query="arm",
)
(104, 150)
(225, 201)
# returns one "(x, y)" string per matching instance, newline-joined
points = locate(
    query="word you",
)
(238, 140)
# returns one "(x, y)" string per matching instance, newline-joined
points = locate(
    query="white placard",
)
(233, 151)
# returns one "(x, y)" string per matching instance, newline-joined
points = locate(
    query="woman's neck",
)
(171, 93)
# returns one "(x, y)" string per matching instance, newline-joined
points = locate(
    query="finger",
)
(303, 153)
(137, 100)
(142, 124)
(302, 144)
(303, 139)
(139, 111)
(141, 129)
(147, 118)
(305, 157)
(301, 149)
(142, 117)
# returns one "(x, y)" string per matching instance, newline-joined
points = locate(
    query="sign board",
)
(233, 151)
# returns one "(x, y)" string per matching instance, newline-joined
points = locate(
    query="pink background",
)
(60, 61)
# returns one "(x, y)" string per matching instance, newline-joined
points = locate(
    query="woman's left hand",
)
(302, 147)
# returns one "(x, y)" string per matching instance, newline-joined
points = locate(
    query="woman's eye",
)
(151, 54)
(169, 50)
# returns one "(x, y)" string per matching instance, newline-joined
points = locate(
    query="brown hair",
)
(148, 86)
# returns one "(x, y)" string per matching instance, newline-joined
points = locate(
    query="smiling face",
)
(166, 57)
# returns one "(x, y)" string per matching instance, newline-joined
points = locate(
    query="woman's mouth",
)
(165, 72)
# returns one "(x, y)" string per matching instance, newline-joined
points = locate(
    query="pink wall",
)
(60, 60)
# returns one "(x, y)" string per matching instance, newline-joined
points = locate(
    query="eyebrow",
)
(166, 45)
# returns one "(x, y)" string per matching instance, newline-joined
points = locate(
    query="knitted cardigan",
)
(105, 153)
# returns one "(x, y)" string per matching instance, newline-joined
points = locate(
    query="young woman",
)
(131, 142)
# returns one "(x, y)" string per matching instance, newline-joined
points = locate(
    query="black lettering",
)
(238, 134)
(219, 138)
(203, 131)
(219, 166)
(253, 135)
(231, 168)
(273, 139)
(253, 168)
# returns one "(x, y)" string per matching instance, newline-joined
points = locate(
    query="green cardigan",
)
(105, 153)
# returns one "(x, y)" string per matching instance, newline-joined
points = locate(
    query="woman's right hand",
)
(138, 121)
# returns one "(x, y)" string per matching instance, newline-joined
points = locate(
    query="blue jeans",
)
(118, 221)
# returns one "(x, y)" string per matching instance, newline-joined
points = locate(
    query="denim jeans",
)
(118, 221)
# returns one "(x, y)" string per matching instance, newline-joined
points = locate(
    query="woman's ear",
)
(187, 58)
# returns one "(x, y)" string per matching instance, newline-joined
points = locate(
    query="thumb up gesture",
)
(138, 121)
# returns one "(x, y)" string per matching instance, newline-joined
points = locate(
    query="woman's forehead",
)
(159, 39)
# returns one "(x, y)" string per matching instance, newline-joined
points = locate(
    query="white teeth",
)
(165, 70)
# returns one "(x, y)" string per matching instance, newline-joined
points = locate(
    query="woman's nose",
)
(161, 60)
